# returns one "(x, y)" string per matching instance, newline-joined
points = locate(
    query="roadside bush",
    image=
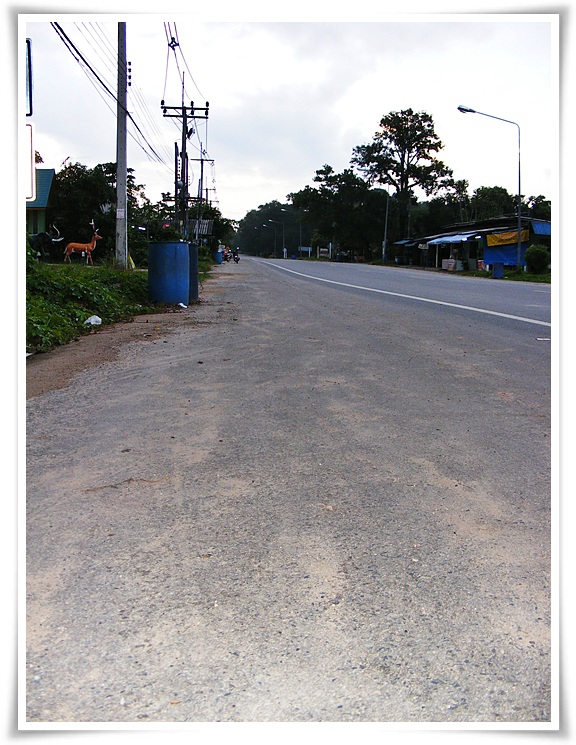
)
(60, 298)
(537, 259)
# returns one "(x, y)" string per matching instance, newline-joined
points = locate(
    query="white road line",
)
(410, 297)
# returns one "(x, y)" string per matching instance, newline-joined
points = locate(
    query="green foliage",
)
(493, 201)
(31, 256)
(402, 155)
(60, 298)
(344, 210)
(81, 195)
(262, 231)
(539, 207)
(537, 259)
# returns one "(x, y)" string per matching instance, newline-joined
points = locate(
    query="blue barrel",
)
(193, 285)
(168, 272)
(218, 257)
(497, 270)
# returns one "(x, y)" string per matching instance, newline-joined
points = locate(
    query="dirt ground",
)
(52, 370)
(285, 503)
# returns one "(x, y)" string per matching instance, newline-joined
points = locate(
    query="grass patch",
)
(512, 275)
(60, 298)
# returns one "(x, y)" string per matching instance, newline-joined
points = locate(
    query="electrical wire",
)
(110, 61)
(148, 124)
(173, 45)
(79, 56)
(185, 63)
(97, 39)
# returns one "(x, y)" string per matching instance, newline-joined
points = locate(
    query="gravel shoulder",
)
(53, 370)
(236, 513)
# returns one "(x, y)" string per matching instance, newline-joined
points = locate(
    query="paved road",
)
(316, 504)
(519, 299)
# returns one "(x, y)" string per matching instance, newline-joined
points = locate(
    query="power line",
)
(79, 56)
(147, 128)
(75, 51)
(184, 60)
(110, 60)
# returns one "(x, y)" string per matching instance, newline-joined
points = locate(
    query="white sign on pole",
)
(31, 171)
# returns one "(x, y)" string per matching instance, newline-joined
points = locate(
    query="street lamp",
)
(274, 226)
(301, 214)
(468, 110)
(283, 241)
(385, 228)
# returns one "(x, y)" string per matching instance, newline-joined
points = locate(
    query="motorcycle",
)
(236, 258)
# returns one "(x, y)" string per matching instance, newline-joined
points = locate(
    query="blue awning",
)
(459, 238)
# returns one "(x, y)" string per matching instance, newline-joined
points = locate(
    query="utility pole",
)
(176, 182)
(121, 152)
(184, 112)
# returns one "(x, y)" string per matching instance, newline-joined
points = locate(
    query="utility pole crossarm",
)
(181, 195)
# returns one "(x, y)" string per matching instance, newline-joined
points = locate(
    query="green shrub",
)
(60, 298)
(537, 259)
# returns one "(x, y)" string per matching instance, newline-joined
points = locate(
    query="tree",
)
(403, 155)
(260, 232)
(493, 201)
(539, 207)
(80, 195)
(344, 210)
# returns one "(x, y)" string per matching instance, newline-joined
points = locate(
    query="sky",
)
(289, 96)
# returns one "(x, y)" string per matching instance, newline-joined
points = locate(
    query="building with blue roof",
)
(36, 210)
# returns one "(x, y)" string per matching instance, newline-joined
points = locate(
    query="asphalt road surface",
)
(318, 503)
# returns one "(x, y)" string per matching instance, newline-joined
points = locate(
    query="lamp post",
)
(299, 226)
(283, 241)
(385, 228)
(468, 110)
(274, 226)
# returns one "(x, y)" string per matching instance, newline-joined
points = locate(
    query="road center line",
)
(410, 297)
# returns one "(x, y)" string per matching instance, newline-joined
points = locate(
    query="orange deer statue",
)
(82, 248)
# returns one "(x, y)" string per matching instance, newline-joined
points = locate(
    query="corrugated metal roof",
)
(541, 227)
(458, 238)
(44, 178)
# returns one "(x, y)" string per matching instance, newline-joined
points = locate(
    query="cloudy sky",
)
(287, 96)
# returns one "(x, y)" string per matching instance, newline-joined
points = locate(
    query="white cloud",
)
(286, 98)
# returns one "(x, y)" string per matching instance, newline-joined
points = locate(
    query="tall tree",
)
(492, 201)
(343, 209)
(539, 207)
(402, 155)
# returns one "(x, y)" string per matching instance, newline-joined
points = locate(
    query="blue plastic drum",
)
(168, 272)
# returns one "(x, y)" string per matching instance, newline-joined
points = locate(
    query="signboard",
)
(31, 165)
(28, 77)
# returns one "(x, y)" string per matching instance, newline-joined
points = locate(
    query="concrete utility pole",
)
(121, 153)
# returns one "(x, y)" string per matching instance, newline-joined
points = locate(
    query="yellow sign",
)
(506, 239)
